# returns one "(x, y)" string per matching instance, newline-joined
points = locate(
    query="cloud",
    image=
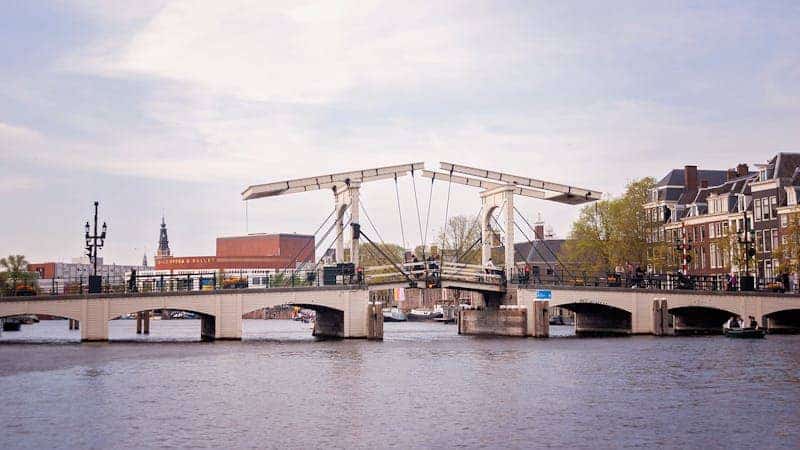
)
(16, 183)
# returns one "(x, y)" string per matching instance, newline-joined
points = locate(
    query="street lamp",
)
(683, 244)
(747, 237)
(93, 243)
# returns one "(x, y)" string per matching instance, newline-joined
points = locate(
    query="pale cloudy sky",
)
(178, 105)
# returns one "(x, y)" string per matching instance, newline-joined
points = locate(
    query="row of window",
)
(765, 208)
(766, 240)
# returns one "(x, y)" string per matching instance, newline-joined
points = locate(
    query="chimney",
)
(703, 184)
(690, 178)
(539, 228)
(742, 170)
(732, 174)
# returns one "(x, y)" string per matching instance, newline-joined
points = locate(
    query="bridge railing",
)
(182, 282)
(668, 282)
(432, 272)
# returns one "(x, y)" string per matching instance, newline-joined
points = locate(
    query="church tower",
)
(163, 241)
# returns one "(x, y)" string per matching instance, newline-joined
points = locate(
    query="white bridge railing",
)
(433, 271)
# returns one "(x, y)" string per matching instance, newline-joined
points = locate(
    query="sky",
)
(175, 107)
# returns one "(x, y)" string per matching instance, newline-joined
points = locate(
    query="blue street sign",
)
(543, 295)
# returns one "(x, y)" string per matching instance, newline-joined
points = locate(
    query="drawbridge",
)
(497, 192)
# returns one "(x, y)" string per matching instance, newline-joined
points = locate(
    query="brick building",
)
(254, 251)
(709, 211)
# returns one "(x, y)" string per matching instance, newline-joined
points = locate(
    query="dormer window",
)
(762, 174)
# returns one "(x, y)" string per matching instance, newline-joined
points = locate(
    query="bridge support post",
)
(208, 329)
(94, 326)
(375, 321)
(537, 313)
(347, 197)
(494, 198)
(139, 323)
(658, 318)
(146, 322)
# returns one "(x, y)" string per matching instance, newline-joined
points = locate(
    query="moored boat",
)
(417, 315)
(393, 315)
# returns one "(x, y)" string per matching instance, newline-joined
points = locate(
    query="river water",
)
(422, 387)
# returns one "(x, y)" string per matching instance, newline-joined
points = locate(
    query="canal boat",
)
(745, 333)
(12, 324)
(418, 315)
(393, 315)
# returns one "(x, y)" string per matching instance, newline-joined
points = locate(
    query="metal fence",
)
(652, 281)
(189, 282)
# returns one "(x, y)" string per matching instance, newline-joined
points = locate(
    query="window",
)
(767, 236)
(713, 253)
(765, 208)
(784, 221)
(741, 203)
(773, 207)
(702, 258)
(774, 239)
(702, 233)
(757, 206)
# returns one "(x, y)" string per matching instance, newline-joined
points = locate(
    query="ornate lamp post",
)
(94, 242)
(683, 244)
(746, 237)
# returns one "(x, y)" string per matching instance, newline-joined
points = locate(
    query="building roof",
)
(542, 252)
(675, 177)
(783, 165)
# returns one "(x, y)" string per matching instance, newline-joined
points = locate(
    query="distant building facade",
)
(57, 277)
(702, 221)
(253, 257)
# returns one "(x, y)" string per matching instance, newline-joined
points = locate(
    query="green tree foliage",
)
(15, 273)
(458, 239)
(369, 256)
(611, 232)
(788, 250)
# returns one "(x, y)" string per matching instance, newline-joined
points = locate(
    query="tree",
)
(458, 240)
(16, 270)
(369, 256)
(788, 250)
(612, 232)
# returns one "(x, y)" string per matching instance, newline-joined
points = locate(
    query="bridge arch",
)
(599, 318)
(782, 321)
(55, 308)
(700, 319)
(200, 304)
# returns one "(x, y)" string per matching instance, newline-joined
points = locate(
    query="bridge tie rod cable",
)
(400, 211)
(357, 231)
(561, 263)
(533, 247)
(480, 234)
(419, 216)
(512, 244)
(333, 242)
(305, 246)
